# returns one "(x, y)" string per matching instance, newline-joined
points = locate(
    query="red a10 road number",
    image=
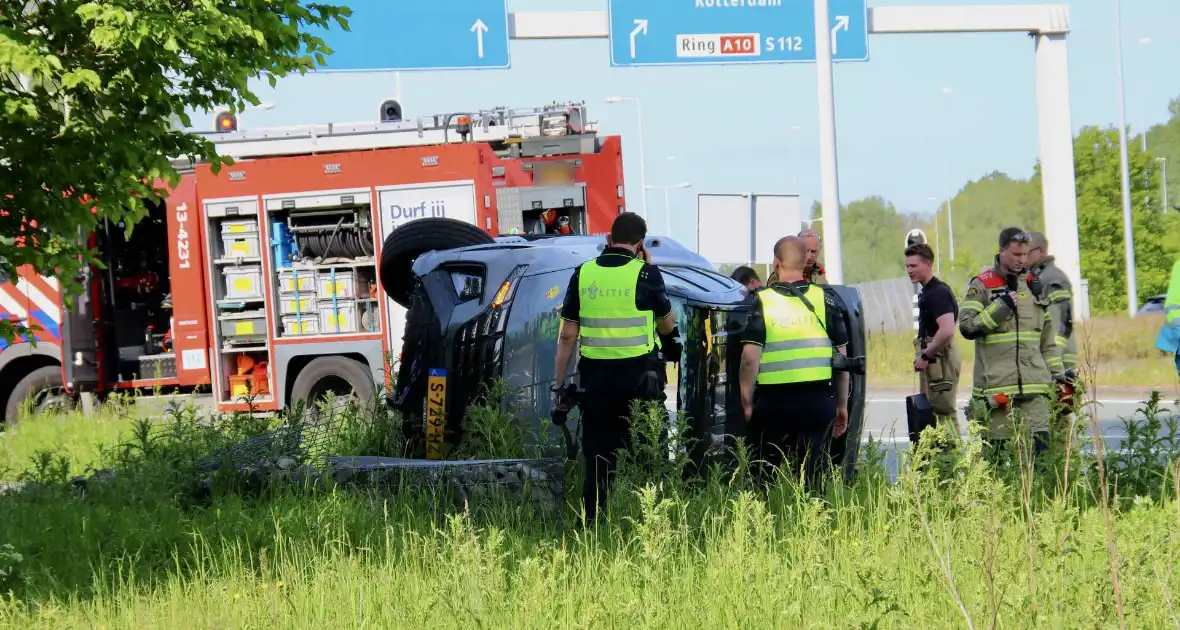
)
(739, 44)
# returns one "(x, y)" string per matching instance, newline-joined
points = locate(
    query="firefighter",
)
(812, 269)
(615, 305)
(936, 357)
(786, 377)
(1056, 289)
(1017, 361)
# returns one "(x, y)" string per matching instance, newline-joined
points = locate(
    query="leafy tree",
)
(1100, 219)
(873, 232)
(90, 97)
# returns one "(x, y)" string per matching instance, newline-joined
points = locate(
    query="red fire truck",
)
(259, 283)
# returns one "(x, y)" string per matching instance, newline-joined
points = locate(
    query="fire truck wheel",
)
(44, 387)
(340, 375)
(409, 241)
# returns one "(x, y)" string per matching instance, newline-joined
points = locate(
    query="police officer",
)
(936, 357)
(615, 305)
(812, 270)
(1017, 360)
(793, 330)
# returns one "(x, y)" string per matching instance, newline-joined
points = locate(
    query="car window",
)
(531, 345)
(688, 277)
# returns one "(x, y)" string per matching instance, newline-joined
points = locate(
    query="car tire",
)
(332, 374)
(40, 379)
(406, 243)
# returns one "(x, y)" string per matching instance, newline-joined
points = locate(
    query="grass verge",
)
(957, 540)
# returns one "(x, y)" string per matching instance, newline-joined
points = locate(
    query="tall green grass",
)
(956, 540)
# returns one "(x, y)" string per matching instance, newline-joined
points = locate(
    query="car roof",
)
(686, 273)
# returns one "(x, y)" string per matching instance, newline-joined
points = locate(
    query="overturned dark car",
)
(483, 308)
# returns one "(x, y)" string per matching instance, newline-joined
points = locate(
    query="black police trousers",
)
(606, 429)
(795, 429)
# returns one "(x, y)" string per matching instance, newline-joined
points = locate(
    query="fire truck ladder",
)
(556, 129)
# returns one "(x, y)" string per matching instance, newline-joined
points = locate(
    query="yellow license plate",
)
(436, 412)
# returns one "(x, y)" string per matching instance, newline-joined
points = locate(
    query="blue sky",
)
(729, 128)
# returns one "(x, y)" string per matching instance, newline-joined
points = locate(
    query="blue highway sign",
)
(690, 32)
(421, 35)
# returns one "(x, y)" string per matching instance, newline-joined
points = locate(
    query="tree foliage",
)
(1100, 219)
(873, 231)
(90, 97)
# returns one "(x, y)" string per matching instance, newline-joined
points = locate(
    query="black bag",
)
(918, 414)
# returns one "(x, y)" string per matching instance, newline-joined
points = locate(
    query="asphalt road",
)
(885, 414)
(885, 419)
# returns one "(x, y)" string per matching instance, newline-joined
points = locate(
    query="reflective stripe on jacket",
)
(610, 325)
(797, 348)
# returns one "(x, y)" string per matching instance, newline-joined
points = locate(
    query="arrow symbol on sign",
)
(479, 28)
(640, 28)
(842, 22)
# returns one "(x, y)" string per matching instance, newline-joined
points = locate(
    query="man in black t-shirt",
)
(936, 357)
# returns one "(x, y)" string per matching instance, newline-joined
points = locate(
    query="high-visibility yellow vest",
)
(797, 348)
(1172, 302)
(610, 326)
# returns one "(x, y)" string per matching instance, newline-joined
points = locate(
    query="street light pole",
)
(950, 216)
(1128, 235)
(642, 162)
(1143, 41)
(937, 240)
(829, 169)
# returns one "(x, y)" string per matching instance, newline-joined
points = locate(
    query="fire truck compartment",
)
(239, 307)
(135, 297)
(555, 211)
(325, 271)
